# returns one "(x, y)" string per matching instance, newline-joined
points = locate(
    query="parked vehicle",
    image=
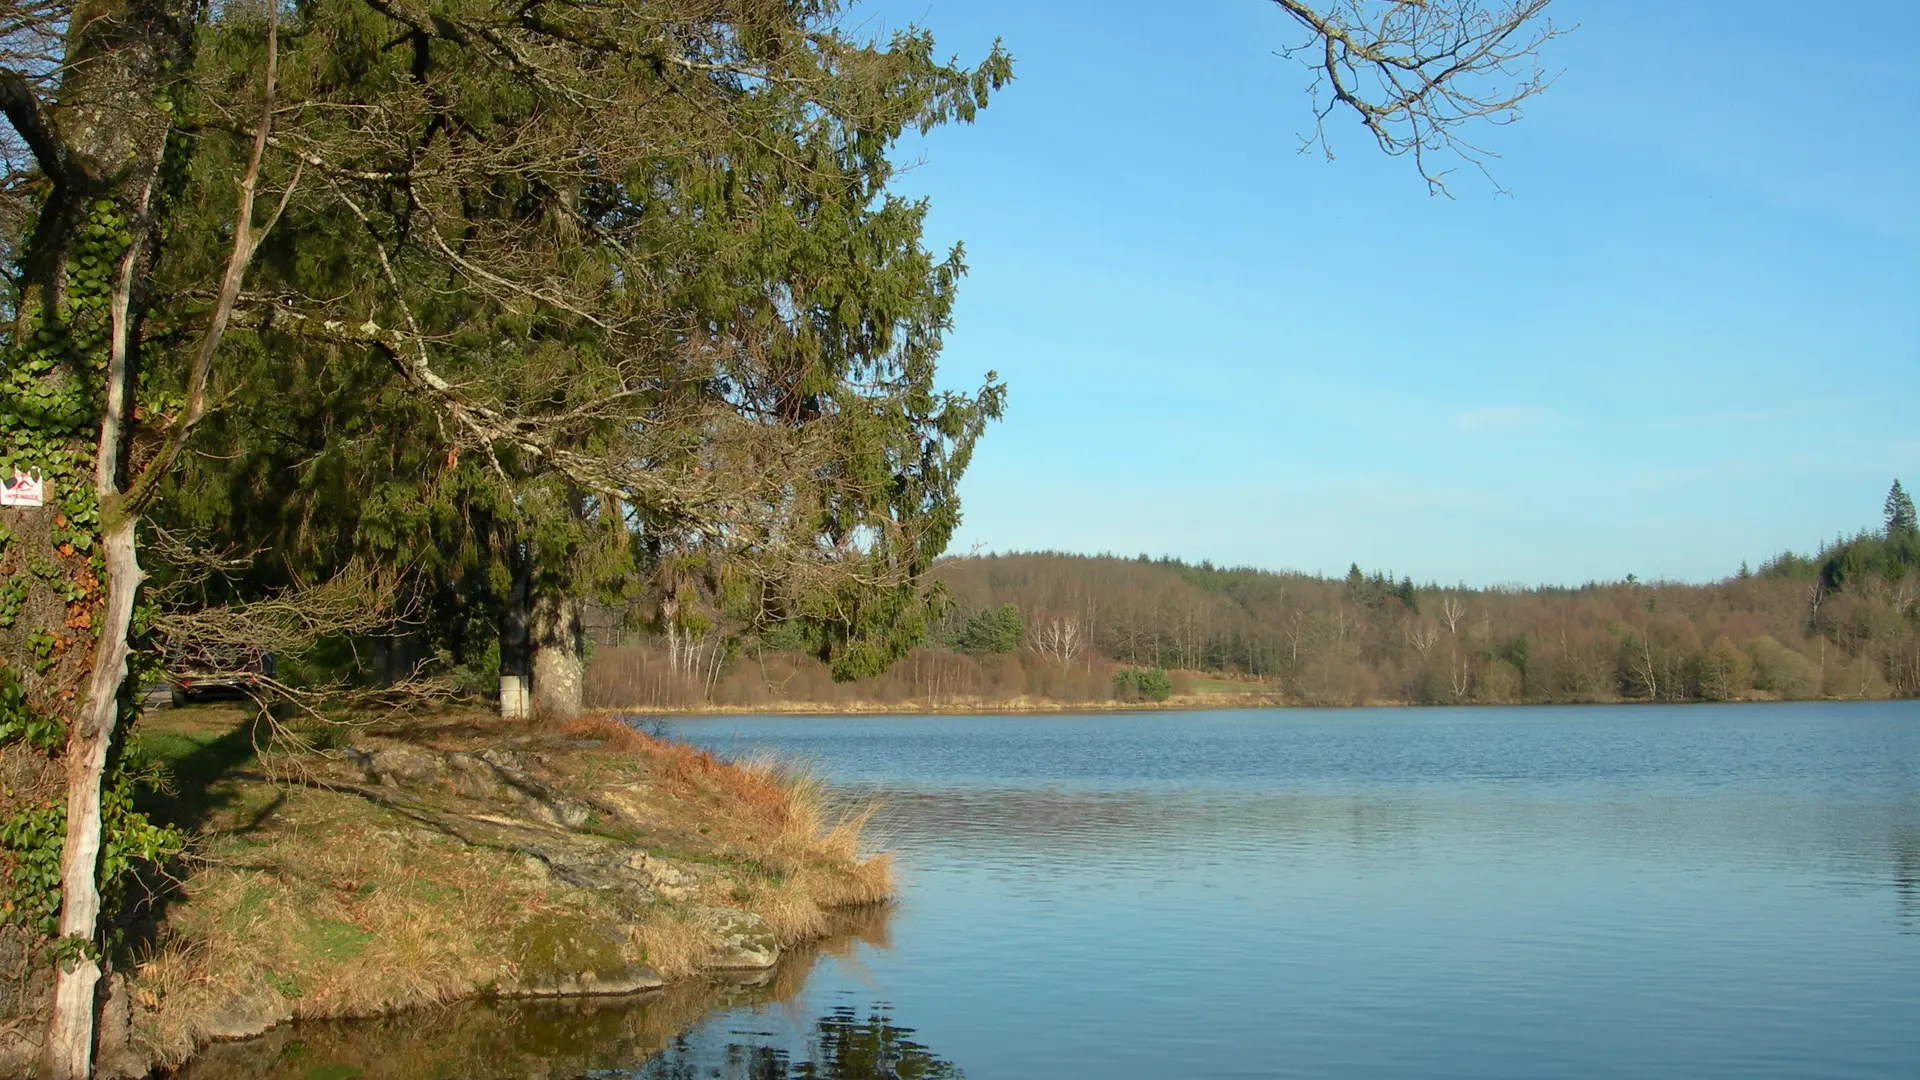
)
(185, 687)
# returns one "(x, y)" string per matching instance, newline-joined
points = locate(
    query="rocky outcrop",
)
(488, 775)
(244, 1012)
(569, 957)
(745, 942)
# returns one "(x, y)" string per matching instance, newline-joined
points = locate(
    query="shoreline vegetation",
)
(1251, 699)
(337, 871)
(1047, 631)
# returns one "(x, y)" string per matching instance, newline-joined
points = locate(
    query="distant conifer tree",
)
(1900, 516)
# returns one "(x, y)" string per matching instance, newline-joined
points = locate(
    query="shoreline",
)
(876, 708)
(372, 871)
(1191, 703)
(485, 1035)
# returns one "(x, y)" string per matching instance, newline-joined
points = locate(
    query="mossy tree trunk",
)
(559, 655)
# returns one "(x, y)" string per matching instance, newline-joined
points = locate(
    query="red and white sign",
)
(24, 490)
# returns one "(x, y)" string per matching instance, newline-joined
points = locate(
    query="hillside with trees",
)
(1841, 623)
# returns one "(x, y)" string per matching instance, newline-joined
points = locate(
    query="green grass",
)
(170, 748)
(334, 941)
(199, 749)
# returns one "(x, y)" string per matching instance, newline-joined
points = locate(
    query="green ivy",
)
(22, 724)
(13, 596)
(48, 423)
(32, 838)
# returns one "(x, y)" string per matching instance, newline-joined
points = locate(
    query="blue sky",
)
(1689, 336)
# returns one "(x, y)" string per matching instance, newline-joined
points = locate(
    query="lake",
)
(1698, 891)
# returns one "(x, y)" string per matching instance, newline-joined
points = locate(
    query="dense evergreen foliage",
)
(1141, 684)
(992, 630)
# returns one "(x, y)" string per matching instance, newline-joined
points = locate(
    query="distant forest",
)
(1841, 623)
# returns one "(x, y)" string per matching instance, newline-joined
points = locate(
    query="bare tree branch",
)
(25, 113)
(219, 641)
(246, 241)
(1418, 73)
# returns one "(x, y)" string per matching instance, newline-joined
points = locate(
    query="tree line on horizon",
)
(1843, 622)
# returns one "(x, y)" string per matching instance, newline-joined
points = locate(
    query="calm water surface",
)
(1607, 892)
(1604, 892)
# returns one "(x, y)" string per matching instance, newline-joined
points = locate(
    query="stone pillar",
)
(515, 703)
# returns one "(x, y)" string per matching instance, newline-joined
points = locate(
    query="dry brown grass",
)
(784, 815)
(684, 769)
(673, 943)
(756, 792)
(333, 913)
(317, 902)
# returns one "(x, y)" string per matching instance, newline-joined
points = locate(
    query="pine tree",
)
(1900, 516)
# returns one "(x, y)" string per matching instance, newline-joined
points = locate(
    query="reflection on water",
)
(644, 1036)
(1906, 873)
(843, 1046)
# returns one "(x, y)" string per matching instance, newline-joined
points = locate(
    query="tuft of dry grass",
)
(688, 770)
(785, 814)
(608, 730)
(673, 943)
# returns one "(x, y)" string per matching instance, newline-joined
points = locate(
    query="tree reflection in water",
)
(843, 1047)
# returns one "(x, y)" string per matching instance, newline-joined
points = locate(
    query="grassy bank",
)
(387, 869)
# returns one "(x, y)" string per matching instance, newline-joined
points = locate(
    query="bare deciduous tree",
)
(1419, 74)
(1422, 634)
(1060, 638)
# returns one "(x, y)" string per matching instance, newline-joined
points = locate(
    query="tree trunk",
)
(104, 141)
(559, 664)
(99, 141)
(513, 623)
(68, 1052)
(515, 667)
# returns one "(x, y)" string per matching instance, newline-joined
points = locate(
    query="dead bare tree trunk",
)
(69, 1048)
(1460, 674)
(1649, 671)
(716, 658)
